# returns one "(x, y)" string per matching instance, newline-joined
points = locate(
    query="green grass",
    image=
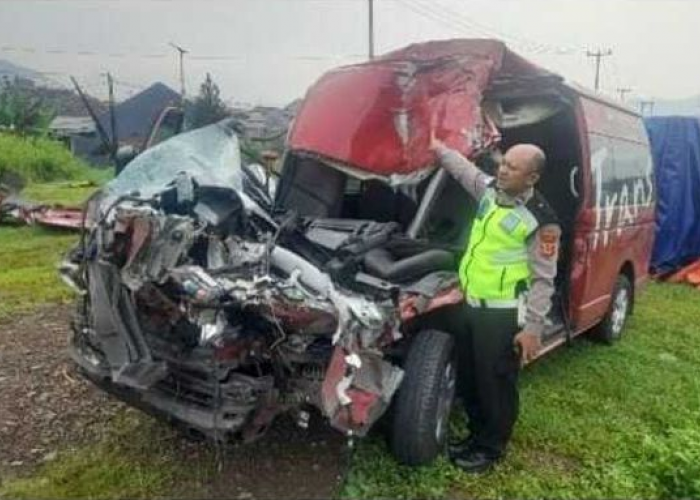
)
(29, 257)
(67, 193)
(138, 457)
(39, 160)
(596, 422)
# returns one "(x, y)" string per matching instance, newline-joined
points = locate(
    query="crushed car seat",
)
(381, 263)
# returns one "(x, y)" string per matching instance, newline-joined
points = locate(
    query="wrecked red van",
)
(209, 300)
(372, 123)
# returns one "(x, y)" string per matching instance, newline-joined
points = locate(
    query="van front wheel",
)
(610, 329)
(424, 400)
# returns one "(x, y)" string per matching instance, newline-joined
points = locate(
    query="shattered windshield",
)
(210, 155)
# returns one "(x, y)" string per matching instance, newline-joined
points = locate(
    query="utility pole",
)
(100, 130)
(598, 56)
(643, 106)
(371, 28)
(112, 117)
(182, 69)
(622, 92)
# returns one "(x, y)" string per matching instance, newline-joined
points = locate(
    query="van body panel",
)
(616, 225)
(376, 117)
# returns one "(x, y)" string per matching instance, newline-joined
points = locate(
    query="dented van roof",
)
(377, 116)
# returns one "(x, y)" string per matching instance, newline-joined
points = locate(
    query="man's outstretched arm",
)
(464, 171)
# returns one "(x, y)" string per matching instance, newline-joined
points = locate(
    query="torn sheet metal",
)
(398, 98)
(55, 216)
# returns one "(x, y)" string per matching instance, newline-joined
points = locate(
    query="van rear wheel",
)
(424, 400)
(611, 328)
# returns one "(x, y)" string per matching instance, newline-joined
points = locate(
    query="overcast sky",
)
(270, 51)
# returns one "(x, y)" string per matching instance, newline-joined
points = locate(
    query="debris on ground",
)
(20, 211)
(689, 274)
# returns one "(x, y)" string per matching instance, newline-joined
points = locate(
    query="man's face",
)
(516, 173)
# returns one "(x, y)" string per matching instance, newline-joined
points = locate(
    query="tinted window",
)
(622, 172)
(633, 169)
(602, 168)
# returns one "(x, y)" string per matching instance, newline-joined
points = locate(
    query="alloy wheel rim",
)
(447, 392)
(619, 312)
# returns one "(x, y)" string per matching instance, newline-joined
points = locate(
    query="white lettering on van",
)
(616, 209)
(597, 160)
(610, 203)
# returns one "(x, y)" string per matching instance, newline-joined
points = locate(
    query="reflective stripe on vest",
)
(496, 261)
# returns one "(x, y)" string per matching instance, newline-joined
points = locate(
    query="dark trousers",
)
(488, 372)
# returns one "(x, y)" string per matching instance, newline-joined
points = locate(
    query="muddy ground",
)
(46, 408)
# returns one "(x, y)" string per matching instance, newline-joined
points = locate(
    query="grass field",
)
(29, 256)
(596, 422)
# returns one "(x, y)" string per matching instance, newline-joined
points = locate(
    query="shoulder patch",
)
(548, 243)
(510, 222)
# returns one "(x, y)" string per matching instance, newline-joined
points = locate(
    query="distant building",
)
(136, 116)
(263, 122)
(134, 119)
(78, 133)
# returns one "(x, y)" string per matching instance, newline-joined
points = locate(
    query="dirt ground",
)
(45, 408)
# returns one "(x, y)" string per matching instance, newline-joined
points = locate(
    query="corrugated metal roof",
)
(72, 125)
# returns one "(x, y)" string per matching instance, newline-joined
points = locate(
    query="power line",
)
(622, 91)
(421, 10)
(189, 1)
(192, 56)
(528, 44)
(457, 20)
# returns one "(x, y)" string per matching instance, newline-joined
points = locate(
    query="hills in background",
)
(66, 102)
(12, 71)
(63, 101)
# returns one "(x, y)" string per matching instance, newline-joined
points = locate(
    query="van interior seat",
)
(381, 203)
(382, 263)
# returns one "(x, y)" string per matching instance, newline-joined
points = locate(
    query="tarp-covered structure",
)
(675, 143)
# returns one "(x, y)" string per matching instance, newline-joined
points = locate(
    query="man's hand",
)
(528, 344)
(435, 143)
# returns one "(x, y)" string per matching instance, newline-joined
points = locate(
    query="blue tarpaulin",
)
(675, 145)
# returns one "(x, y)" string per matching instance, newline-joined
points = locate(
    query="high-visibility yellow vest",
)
(495, 264)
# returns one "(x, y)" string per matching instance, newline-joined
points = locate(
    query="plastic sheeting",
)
(675, 144)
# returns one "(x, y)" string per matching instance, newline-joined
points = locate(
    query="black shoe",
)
(475, 462)
(461, 448)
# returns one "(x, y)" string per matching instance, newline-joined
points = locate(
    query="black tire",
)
(424, 400)
(611, 328)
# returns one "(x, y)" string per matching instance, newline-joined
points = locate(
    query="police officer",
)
(507, 274)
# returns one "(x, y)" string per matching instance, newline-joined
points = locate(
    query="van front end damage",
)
(197, 305)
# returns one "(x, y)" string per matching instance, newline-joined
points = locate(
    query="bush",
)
(38, 160)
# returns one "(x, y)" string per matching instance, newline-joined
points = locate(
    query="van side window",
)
(633, 170)
(621, 172)
(602, 168)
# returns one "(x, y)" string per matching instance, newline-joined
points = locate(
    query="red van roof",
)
(376, 116)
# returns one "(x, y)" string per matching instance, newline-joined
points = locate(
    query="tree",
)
(21, 110)
(207, 107)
